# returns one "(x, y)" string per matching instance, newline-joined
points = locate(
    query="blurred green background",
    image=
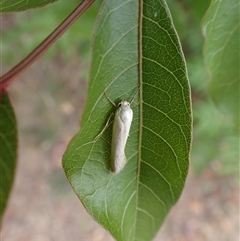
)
(49, 100)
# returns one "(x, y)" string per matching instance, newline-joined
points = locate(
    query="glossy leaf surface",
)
(135, 44)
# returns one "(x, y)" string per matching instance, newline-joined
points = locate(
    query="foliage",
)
(161, 125)
(18, 5)
(221, 52)
(8, 149)
(215, 139)
(159, 142)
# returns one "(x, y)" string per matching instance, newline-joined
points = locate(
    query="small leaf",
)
(21, 5)
(8, 149)
(221, 52)
(133, 46)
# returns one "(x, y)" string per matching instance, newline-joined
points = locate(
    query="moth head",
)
(123, 104)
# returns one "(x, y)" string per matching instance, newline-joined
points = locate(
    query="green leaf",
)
(8, 149)
(21, 5)
(221, 53)
(133, 46)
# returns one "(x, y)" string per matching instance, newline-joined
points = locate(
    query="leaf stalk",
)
(13, 73)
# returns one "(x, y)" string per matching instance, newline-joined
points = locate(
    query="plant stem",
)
(12, 74)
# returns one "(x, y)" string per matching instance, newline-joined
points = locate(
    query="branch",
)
(12, 74)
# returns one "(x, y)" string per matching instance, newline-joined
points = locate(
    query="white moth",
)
(121, 127)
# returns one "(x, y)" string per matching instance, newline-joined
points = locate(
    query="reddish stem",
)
(12, 74)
